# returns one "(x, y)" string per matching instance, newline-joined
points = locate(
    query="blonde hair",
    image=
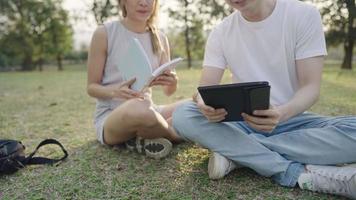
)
(151, 25)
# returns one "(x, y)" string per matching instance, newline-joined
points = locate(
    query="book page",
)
(135, 65)
(166, 66)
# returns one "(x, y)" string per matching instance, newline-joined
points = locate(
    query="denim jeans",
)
(304, 139)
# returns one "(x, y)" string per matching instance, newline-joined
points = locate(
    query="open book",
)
(137, 65)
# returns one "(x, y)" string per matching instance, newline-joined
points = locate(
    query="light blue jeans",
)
(304, 139)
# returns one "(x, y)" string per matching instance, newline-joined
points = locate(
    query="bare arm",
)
(309, 78)
(169, 79)
(211, 76)
(96, 63)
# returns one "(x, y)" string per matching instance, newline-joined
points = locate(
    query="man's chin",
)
(238, 5)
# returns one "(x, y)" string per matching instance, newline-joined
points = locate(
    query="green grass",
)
(50, 104)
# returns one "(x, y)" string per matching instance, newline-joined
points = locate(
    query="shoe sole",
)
(131, 147)
(167, 147)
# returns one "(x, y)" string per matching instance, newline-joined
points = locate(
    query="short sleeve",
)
(214, 54)
(310, 36)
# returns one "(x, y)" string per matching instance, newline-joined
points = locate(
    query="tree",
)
(185, 13)
(35, 30)
(103, 9)
(16, 35)
(339, 19)
(59, 34)
(213, 11)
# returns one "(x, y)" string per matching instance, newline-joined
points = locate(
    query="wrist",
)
(110, 92)
(284, 112)
(195, 97)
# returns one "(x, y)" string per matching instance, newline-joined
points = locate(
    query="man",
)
(280, 41)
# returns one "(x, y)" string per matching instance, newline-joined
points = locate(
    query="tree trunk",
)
(40, 64)
(59, 62)
(27, 63)
(347, 62)
(350, 39)
(186, 35)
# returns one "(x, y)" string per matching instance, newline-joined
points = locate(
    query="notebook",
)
(237, 98)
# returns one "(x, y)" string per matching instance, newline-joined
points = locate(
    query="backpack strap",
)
(30, 160)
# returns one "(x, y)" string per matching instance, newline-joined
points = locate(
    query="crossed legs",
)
(138, 118)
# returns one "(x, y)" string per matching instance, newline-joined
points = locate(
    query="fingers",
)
(213, 115)
(270, 113)
(129, 82)
(263, 128)
(216, 117)
(264, 120)
(261, 120)
(127, 93)
(161, 83)
(165, 79)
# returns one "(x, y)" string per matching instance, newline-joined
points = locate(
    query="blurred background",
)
(37, 34)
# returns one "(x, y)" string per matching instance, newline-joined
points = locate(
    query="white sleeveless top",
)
(117, 37)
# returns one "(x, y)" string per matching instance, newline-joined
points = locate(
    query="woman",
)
(122, 114)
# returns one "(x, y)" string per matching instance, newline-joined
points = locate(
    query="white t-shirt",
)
(267, 50)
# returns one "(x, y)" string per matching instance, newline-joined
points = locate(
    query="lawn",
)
(51, 104)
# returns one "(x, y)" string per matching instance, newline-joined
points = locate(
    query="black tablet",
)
(237, 98)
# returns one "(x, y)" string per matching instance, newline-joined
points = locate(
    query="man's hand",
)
(263, 120)
(212, 114)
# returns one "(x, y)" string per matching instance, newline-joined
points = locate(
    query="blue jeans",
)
(304, 139)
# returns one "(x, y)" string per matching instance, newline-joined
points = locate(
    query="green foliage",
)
(213, 11)
(339, 18)
(192, 20)
(76, 56)
(34, 31)
(103, 9)
(335, 16)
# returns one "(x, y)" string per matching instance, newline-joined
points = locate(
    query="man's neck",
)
(260, 11)
(134, 26)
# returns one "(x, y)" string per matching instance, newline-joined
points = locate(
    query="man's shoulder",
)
(227, 21)
(298, 8)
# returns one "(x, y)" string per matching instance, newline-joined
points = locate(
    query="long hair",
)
(151, 25)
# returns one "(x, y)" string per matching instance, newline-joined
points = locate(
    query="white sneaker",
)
(329, 179)
(219, 166)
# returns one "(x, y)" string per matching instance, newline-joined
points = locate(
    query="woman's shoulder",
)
(100, 33)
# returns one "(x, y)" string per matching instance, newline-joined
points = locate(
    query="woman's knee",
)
(139, 113)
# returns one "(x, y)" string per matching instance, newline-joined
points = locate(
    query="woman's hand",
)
(263, 120)
(123, 90)
(167, 78)
(212, 114)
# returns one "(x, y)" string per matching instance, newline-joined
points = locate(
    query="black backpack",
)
(12, 155)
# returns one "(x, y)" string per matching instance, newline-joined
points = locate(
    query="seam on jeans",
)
(295, 175)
